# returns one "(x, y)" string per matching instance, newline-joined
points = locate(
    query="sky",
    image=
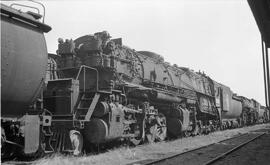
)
(219, 37)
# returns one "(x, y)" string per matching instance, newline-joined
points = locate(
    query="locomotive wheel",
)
(162, 127)
(186, 134)
(139, 133)
(244, 119)
(197, 130)
(158, 131)
(252, 119)
(151, 136)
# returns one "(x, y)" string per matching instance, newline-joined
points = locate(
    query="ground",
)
(127, 155)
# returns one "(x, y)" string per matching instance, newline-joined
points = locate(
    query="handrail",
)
(44, 11)
(84, 67)
(17, 4)
(18, 16)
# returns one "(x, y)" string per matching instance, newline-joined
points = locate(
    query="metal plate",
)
(31, 133)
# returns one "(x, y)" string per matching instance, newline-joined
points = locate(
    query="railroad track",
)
(231, 145)
(232, 150)
(209, 154)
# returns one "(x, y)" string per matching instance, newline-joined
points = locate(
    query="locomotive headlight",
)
(47, 120)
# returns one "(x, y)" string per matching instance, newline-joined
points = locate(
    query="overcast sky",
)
(219, 37)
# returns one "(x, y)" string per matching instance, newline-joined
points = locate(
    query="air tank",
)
(23, 60)
(235, 110)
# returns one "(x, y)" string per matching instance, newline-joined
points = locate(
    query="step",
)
(83, 109)
(86, 99)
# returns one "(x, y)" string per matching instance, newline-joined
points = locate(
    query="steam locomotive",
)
(96, 90)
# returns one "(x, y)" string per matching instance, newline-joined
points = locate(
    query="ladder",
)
(85, 105)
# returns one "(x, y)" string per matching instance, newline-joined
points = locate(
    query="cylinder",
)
(101, 109)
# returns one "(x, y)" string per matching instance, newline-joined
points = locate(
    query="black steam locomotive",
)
(96, 90)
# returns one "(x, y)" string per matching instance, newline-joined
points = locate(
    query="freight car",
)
(23, 68)
(96, 90)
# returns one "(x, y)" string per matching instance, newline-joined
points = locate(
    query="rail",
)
(196, 149)
(232, 150)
